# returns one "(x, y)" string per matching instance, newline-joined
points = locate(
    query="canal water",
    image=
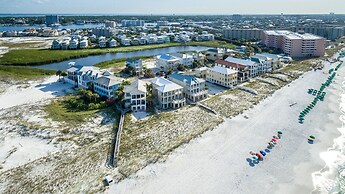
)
(91, 60)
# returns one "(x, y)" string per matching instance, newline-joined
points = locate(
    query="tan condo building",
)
(222, 76)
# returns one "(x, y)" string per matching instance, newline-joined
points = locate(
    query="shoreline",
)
(305, 161)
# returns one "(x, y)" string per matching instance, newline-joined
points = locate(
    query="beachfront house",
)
(72, 75)
(87, 75)
(135, 96)
(167, 94)
(193, 87)
(106, 85)
(65, 44)
(222, 76)
(165, 62)
(136, 64)
(272, 60)
(253, 67)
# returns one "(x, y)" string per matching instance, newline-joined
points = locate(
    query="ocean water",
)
(331, 179)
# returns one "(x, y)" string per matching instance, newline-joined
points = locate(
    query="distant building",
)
(51, 20)
(295, 44)
(112, 43)
(74, 44)
(135, 96)
(107, 32)
(329, 32)
(102, 43)
(132, 23)
(162, 23)
(110, 24)
(84, 43)
(236, 17)
(56, 45)
(222, 76)
(245, 34)
(215, 54)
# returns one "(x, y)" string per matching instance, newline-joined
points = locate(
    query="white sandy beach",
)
(16, 149)
(33, 92)
(217, 161)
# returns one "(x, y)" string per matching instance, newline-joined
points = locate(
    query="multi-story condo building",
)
(129, 23)
(245, 34)
(167, 94)
(295, 44)
(326, 31)
(52, 20)
(135, 96)
(222, 76)
(110, 24)
(193, 87)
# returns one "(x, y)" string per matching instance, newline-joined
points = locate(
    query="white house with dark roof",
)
(222, 76)
(167, 94)
(106, 85)
(193, 87)
(135, 96)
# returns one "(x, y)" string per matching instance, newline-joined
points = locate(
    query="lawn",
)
(25, 57)
(58, 110)
(16, 72)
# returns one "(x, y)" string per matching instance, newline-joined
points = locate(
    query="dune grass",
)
(16, 72)
(30, 57)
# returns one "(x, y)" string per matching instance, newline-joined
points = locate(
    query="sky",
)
(167, 7)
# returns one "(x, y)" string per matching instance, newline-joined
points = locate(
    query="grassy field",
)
(58, 111)
(25, 57)
(117, 62)
(16, 72)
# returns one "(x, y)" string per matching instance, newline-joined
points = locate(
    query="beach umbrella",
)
(301, 119)
(279, 132)
(274, 140)
(312, 137)
(259, 156)
(275, 137)
(251, 153)
(263, 153)
(255, 158)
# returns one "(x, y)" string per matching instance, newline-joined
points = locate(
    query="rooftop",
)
(164, 85)
(240, 61)
(108, 81)
(135, 87)
(292, 35)
(188, 79)
(223, 70)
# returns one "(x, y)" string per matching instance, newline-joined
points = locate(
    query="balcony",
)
(199, 93)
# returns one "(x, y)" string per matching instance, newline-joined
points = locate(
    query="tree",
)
(149, 73)
(58, 73)
(181, 67)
